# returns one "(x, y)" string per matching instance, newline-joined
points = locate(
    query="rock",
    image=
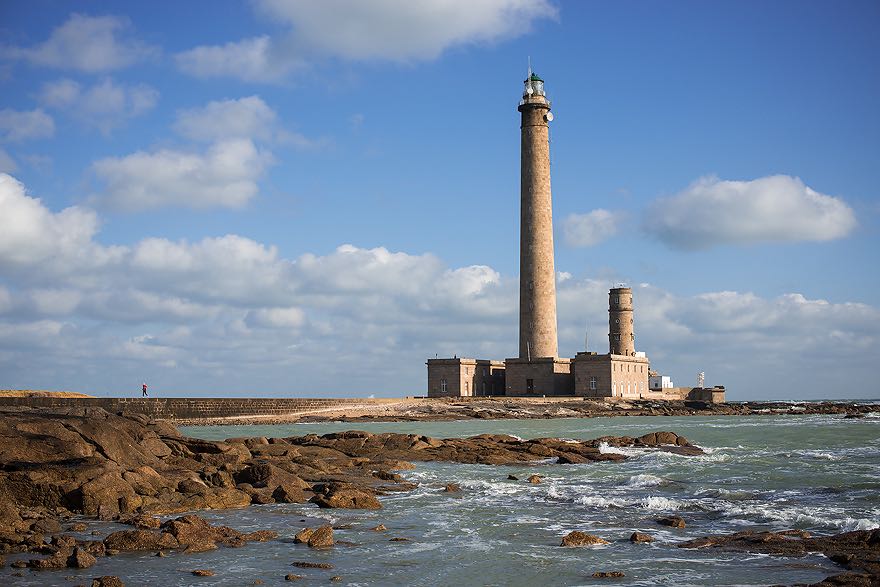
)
(607, 574)
(161, 554)
(638, 537)
(260, 536)
(56, 561)
(302, 537)
(258, 582)
(107, 581)
(571, 458)
(292, 577)
(399, 539)
(534, 479)
(452, 488)
(321, 537)
(577, 538)
(78, 527)
(379, 528)
(311, 565)
(858, 550)
(291, 493)
(196, 534)
(144, 522)
(191, 486)
(512, 478)
(46, 526)
(673, 521)
(80, 559)
(344, 495)
(139, 540)
(203, 573)
(336, 578)
(387, 476)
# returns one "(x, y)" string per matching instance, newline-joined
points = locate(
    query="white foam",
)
(656, 502)
(644, 480)
(796, 516)
(607, 449)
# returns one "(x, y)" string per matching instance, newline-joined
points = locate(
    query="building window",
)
(592, 383)
(530, 385)
(444, 386)
(485, 371)
(484, 388)
(466, 388)
(613, 389)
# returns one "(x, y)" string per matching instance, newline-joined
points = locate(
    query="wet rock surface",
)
(858, 551)
(59, 463)
(577, 538)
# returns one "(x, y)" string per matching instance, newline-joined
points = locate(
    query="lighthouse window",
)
(443, 385)
(592, 383)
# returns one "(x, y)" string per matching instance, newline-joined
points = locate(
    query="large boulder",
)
(322, 537)
(108, 495)
(344, 495)
(577, 538)
(140, 540)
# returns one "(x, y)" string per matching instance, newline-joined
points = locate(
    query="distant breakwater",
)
(176, 408)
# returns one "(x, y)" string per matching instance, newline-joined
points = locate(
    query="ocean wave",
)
(645, 480)
(831, 518)
(656, 502)
(606, 448)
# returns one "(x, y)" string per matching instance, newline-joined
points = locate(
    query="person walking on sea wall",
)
(144, 389)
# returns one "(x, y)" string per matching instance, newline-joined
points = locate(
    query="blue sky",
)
(282, 197)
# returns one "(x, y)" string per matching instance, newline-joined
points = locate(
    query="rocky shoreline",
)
(448, 409)
(62, 468)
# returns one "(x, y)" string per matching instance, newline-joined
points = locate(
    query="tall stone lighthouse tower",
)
(537, 284)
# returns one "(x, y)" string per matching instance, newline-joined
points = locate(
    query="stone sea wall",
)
(175, 408)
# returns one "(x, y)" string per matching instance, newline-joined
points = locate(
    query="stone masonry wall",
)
(170, 408)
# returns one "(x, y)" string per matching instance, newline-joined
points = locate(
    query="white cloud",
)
(91, 44)
(233, 314)
(778, 208)
(253, 60)
(104, 105)
(399, 30)
(225, 175)
(586, 230)
(287, 318)
(22, 125)
(245, 118)
(32, 236)
(389, 30)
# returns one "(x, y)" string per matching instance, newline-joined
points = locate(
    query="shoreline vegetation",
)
(523, 408)
(61, 468)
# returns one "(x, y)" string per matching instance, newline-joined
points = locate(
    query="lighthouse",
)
(537, 277)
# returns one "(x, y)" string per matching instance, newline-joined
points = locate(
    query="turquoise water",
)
(819, 473)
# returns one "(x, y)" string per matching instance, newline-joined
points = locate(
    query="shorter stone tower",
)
(620, 322)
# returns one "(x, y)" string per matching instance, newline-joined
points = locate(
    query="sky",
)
(284, 197)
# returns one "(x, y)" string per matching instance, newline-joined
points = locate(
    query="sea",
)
(819, 473)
